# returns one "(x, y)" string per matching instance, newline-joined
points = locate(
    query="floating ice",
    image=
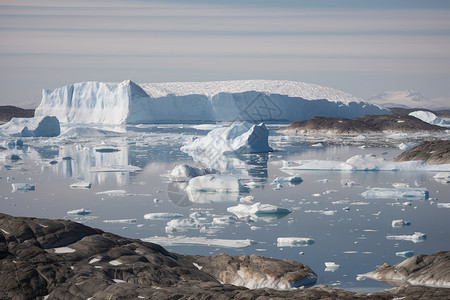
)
(331, 266)
(429, 117)
(87, 132)
(393, 193)
(81, 185)
(223, 220)
(400, 223)
(405, 146)
(200, 241)
(80, 212)
(415, 238)
(442, 177)
(214, 188)
(406, 254)
(115, 168)
(294, 242)
(181, 225)
(296, 179)
(162, 215)
(43, 126)
(361, 163)
(258, 210)
(22, 187)
(114, 193)
(186, 172)
(127, 102)
(125, 221)
(443, 205)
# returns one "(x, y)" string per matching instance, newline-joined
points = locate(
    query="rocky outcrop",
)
(8, 112)
(427, 270)
(60, 259)
(370, 124)
(433, 152)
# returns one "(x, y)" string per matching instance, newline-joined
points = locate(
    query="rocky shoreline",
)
(433, 152)
(61, 259)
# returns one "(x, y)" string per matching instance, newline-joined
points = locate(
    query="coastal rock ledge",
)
(61, 259)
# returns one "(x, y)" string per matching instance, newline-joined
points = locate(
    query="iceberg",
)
(392, 193)
(22, 187)
(442, 177)
(417, 237)
(183, 173)
(331, 266)
(406, 254)
(162, 216)
(294, 242)
(257, 210)
(214, 188)
(296, 179)
(80, 212)
(400, 223)
(81, 185)
(251, 100)
(429, 118)
(43, 126)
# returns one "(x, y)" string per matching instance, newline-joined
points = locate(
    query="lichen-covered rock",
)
(433, 152)
(427, 270)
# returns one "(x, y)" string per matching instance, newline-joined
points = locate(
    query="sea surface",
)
(327, 206)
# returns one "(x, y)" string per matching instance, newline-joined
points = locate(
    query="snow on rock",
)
(405, 98)
(62, 250)
(294, 242)
(367, 162)
(43, 126)
(257, 210)
(185, 173)
(22, 187)
(251, 100)
(84, 132)
(417, 237)
(430, 118)
(162, 216)
(392, 193)
(239, 137)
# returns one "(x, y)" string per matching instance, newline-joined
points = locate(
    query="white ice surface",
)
(405, 253)
(125, 221)
(81, 185)
(415, 238)
(393, 193)
(400, 223)
(294, 242)
(162, 215)
(43, 126)
(185, 172)
(257, 210)
(253, 100)
(22, 187)
(80, 211)
(214, 188)
(202, 241)
(430, 118)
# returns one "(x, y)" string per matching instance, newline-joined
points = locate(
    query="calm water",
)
(354, 239)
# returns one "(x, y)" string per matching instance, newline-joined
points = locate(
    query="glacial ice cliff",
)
(252, 100)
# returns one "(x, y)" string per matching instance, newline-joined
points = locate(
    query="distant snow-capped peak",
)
(405, 98)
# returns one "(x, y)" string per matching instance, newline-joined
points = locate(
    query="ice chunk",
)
(43, 126)
(186, 172)
(296, 179)
(162, 215)
(127, 102)
(223, 220)
(181, 225)
(126, 221)
(182, 240)
(415, 238)
(80, 212)
(405, 254)
(400, 223)
(442, 177)
(22, 187)
(115, 168)
(405, 146)
(214, 188)
(393, 193)
(294, 242)
(114, 193)
(81, 185)
(429, 117)
(443, 205)
(331, 266)
(258, 210)
(239, 137)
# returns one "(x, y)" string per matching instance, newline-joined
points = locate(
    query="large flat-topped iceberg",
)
(251, 100)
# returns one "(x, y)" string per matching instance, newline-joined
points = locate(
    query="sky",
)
(360, 47)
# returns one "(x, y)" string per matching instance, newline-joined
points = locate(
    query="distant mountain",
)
(405, 99)
(8, 112)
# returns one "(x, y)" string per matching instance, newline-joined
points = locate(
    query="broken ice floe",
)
(331, 266)
(80, 212)
(258, 211)
(294, 242)
(81, 185)
(87, 132)
(162, 216)
(368, 162)
(393, 193)
(182, 225)
(415, 238)
(443, 205)
(296, 179)
(406, 254)
(186, 172)
(124, 221)
(116, 168)
(215, 188)
(22, 187)
(199, 241)
(114, 193)
(442, 177)
(400, 223)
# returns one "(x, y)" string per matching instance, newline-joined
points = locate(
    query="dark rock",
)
(427, 270)
(433, 152)
(102, 265)
(8, 112)
(369, 124)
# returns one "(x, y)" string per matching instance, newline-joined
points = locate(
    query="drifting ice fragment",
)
(127, 221)
(296, 179)
(181, 225)
(294, 242)
(186, 172)
(331, 266)
(405, 253)
(216, 184)
(415, 238)
(257, 210)
(443, 205)
(159, 216)
(44, 126)
(442, 177)
(392, 193)
(81, 185)
(22, 187)
(182, 240)
(400, 223)
(80, 212)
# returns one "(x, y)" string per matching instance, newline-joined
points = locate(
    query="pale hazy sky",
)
(357, 46)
